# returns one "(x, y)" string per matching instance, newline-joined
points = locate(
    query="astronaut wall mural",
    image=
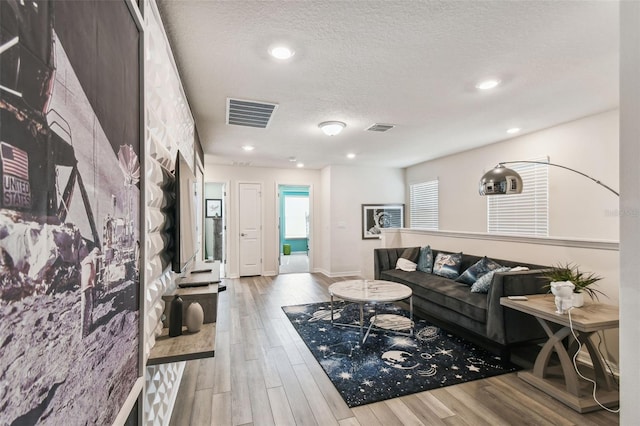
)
(69, 210)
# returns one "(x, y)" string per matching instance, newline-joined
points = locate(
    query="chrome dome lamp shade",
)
(503, 181)
(500, 181)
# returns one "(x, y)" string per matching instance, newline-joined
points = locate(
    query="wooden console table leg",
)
(602, 377)
(541, 366)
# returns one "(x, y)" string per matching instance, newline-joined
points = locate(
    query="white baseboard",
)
(584, 358)
(337, 274)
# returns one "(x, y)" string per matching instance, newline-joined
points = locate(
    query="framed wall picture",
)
(376, 217)
(214, 207)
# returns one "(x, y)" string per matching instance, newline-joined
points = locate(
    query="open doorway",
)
(215, 224)
(294, 212)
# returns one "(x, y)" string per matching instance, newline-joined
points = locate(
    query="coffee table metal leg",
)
(411, 315)
(372, 321)
(332, 309)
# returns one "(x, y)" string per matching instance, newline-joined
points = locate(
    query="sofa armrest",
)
(505, 325)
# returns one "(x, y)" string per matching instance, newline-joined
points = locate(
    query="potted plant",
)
(581, 281)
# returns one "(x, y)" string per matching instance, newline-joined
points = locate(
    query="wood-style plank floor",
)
(263, 374)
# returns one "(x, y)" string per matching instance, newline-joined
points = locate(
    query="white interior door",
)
(250, 225)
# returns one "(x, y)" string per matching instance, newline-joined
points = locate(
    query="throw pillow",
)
(407, 260)
(484, 282)
(447, 265)
(477, 270)
(425, 260)
(519, 268)
(405, 265)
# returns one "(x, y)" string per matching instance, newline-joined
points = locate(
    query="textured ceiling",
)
(412, 64)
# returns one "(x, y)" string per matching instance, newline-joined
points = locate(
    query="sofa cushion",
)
(411, 254)
(442, 291)
(483, 283)
(447, 264)
(477, 270)
(425, 260)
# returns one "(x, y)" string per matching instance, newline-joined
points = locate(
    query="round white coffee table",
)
(372, 292)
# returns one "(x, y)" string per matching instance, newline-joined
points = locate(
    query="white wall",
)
(268, 178)
(630, 203)
(351, 187)
(324, 237)
(579, 208)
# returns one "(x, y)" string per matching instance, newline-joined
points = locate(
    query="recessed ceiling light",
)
(300, 165)
(513, 130)
(488, 84)
(248, 148)
(281, 52)
(332, 128)
(351, 155)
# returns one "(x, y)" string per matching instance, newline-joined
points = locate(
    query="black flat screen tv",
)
(185, 239)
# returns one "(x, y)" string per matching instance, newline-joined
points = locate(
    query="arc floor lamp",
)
(504, 181)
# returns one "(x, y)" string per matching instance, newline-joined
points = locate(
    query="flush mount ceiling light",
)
(300, 165)
(332, 128)
(488, 84)
(351, 155)
(513, 130)
(248, 148)
(281, 52)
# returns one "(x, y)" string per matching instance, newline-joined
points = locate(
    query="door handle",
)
(242, 234)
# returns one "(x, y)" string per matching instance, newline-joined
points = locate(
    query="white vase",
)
(577, 300)
(194, 317)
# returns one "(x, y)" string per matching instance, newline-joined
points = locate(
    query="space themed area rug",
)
(387, 365)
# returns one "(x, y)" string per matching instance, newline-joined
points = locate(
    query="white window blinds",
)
(527, 213)
(423, 205)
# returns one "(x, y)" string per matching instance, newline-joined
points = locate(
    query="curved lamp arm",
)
(500, 178)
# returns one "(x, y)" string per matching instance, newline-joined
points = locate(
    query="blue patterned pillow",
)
(425, 260)
(477, 270)
(484, 282)
(447, 265)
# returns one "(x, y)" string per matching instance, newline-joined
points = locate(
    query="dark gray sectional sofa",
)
(454, 306)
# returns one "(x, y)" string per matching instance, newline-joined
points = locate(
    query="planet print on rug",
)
(388, 365)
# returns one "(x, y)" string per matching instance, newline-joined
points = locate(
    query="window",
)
(526, 213)
(296, 213)
(423, 205)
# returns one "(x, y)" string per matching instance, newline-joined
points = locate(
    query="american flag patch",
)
(14, 161)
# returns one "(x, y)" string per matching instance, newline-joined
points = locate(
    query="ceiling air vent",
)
(249, 113)
(379, 127)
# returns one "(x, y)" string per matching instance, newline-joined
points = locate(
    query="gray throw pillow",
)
(483, 284)
(477, 270)
(425, 260)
